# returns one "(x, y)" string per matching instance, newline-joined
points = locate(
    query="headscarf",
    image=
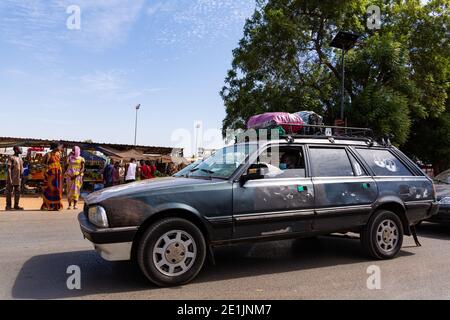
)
(75, 153)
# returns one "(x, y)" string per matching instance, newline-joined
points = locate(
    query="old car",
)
(442, 183)
(295, 186)
(185, 171)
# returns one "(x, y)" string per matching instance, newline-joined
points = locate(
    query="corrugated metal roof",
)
(25, 142)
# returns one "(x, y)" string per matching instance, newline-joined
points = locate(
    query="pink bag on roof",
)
(288, 121)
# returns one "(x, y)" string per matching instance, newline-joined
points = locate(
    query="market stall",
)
(96, 155)
(34, 170)
(93, 174)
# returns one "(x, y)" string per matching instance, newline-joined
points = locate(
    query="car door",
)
(344, 192)
(276, 205)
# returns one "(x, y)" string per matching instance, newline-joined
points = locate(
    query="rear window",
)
(384, 163)
(330, 162)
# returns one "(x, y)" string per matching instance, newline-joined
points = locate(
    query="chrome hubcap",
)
(174, 253)
(387, 235)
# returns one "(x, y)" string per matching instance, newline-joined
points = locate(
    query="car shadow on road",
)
(285, 256)
(44, 276)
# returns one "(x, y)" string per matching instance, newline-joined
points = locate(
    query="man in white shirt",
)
(130, 171)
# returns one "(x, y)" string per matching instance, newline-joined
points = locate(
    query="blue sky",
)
(169, 55)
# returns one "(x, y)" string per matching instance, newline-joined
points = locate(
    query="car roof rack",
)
(329, 132)
(292, 131)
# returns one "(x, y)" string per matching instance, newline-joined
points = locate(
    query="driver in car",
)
(289, 160)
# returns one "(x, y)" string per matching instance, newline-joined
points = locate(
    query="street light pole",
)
(197, 129)
(344, 41)
(343, 84)
(136, 124)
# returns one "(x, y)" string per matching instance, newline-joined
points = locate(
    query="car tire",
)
(171, 252)
(382, 236)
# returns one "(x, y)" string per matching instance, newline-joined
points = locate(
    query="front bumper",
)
(113, 244)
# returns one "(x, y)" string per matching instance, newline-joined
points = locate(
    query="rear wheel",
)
(171, 252)
(382, 237)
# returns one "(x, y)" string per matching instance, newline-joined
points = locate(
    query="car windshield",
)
(443, 177)
(184, 172)
(224, 162)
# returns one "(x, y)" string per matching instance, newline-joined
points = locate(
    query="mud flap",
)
(211, 255)
(414, 234)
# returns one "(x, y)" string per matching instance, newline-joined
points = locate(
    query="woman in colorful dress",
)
(74, 176)
(53, 180)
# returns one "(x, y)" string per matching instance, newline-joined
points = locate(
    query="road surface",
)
(37, 248)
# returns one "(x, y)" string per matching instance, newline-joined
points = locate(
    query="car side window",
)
(283, 162)
(357, 169)
(330, 162)
(383, 162)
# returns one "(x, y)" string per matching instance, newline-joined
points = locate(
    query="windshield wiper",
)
(203, 170)
(209, 172)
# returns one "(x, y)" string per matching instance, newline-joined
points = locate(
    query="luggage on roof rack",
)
(307, 131)
(271, 120)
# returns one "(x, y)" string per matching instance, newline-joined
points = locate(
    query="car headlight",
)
(97, 216)
(445, 200)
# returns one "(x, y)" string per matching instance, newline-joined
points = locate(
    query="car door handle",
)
(302, 188)
(365, 185)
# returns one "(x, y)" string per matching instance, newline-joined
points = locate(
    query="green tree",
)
(397, 77)
(430, 141)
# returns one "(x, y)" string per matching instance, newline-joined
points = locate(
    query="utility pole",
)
(136, 124)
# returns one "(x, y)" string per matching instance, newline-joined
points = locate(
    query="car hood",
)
(442, 190)
(146, 186)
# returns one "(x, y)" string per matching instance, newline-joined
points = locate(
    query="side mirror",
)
(254, 172)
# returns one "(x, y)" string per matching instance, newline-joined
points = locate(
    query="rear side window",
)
(357, 169)
(330, 162)
(384, 163)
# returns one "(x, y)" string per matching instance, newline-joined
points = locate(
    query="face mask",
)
(283, 166)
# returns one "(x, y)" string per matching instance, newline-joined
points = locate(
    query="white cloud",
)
(103, 81)
(40, 25)
(184, 22)
(111, 85)
(161, 7)
(105, 23)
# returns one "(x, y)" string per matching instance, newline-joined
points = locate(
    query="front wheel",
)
(382, 237)
(171, 252)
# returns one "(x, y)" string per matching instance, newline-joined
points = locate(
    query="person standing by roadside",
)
(116, 174)
(14, 179)
(74, 176)
(151, 165)
(108, 175)
(171, 169)
(145, 171)
(121, 173)
(130, 171)
(53, 179)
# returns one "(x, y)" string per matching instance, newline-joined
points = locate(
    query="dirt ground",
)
(32, 203)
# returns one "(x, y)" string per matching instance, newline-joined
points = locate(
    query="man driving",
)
(289, 160)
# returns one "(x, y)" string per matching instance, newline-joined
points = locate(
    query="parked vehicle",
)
(442, 183)
(293, 187)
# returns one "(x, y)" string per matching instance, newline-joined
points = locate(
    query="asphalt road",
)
(37, 248)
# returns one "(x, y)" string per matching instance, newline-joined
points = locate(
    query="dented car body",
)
(310, 187)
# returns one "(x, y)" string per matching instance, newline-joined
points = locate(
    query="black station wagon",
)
(296, 186)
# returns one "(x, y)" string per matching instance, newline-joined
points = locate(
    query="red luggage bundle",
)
(291, 123)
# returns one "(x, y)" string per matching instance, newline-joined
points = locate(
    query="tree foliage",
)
(397, 77)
